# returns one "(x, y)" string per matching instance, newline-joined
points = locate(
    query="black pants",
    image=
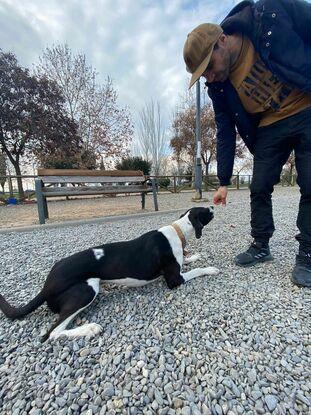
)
(273, 146)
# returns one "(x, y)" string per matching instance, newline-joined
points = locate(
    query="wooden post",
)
(238, 182)
(175, 188)
(45, 205)
(143, 203)
(40, 201)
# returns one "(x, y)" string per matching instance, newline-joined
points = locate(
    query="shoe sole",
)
(298, 284)
(258, 261)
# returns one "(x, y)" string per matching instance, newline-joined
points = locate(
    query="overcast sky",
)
(138, 43)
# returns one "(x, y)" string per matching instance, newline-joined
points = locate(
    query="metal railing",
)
(10, 187)
(176, 184)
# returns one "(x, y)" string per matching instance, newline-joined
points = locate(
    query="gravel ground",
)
(236, 343)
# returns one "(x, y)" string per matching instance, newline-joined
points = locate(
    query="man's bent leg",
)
(272, 149)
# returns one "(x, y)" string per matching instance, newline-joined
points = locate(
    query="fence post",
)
(40, 201)
(175, 189)
(238, 182)
(154, 193)
(143, 200)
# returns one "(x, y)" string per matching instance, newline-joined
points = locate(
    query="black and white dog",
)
(73, 282)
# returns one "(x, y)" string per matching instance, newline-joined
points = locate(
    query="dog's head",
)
(199, 217)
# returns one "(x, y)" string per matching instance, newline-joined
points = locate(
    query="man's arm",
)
(226, 142)
(226, 139)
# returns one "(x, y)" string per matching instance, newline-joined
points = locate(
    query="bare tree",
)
(32, 116)
(152, 135)
(183, 133)
(289, 170)
(104, 126)
(244, 163)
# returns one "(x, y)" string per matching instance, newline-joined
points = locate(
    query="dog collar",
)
(180, 235)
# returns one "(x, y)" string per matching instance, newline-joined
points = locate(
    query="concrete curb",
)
(105, 219)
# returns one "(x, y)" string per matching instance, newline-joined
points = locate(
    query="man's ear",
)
(221, 42)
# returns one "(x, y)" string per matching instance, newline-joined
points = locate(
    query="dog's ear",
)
(197, 225)
(198, 228)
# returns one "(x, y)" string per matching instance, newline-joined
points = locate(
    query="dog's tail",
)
(17, 312)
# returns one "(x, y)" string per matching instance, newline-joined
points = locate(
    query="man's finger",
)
(218, 199)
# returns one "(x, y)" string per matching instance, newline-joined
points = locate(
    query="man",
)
(257, 65)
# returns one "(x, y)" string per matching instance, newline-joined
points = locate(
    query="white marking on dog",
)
(94, 283)
(173, 239)
(99, 253)
(130, 282)
(91, 330)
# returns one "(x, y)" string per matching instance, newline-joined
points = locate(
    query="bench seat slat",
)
(92, 190)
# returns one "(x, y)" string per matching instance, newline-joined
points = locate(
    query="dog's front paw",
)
(211, 271)
(92, 329)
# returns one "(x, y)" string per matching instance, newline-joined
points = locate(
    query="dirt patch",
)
(86, 208)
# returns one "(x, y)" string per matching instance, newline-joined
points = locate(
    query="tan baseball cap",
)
(199, 47)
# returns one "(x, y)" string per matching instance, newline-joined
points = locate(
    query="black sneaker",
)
(257, 252)
(301, 274)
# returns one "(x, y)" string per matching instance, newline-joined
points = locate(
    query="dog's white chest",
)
(174, 242)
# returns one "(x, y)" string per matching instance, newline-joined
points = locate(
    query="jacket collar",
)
(240, 19)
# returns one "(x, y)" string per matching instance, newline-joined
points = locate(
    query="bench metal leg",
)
(40, 201)
(143, 200)
(45, 205)
(154, 192)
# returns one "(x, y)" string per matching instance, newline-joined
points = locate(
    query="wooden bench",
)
(65, 182)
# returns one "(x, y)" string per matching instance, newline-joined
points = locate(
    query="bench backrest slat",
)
(87, 173)
(92, 179)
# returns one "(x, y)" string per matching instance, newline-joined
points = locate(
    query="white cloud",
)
(138, 43)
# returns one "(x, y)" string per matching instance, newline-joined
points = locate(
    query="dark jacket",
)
(281, 33)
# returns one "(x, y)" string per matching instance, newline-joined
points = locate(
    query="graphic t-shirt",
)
(261, 91)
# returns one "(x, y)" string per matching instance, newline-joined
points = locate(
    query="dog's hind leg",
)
(70, 303)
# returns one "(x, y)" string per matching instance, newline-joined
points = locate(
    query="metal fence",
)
(171, 183)
(176, 184)
(9, 186)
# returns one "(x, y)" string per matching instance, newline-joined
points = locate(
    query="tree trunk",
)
(19, 180)
(291, 175)
(207, 168)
